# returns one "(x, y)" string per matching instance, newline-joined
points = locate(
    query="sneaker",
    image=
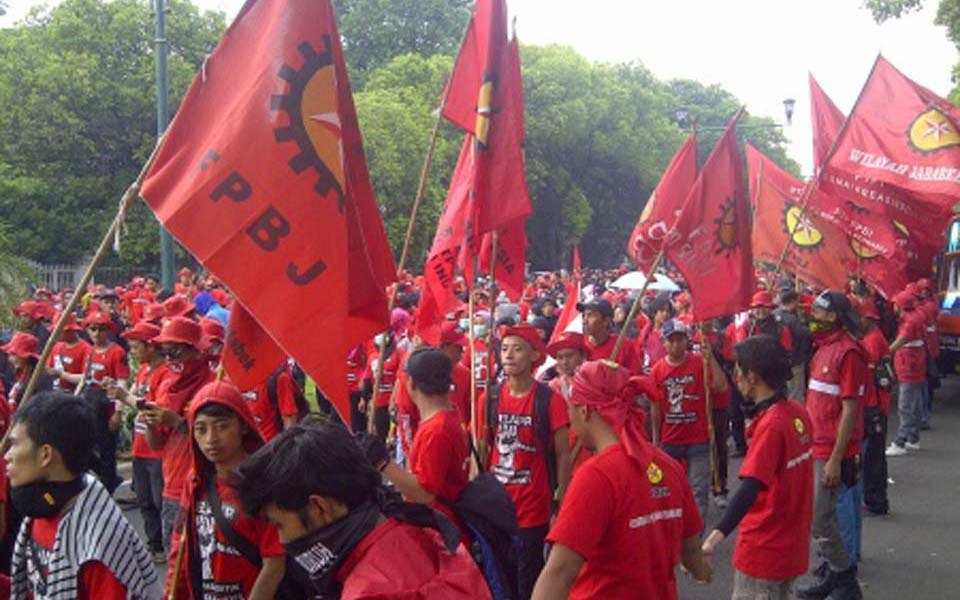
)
(159, 557)
(896, 450)
(721, 501)
(912, 445)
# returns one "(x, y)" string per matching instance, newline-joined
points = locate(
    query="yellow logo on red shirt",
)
(654, 473)
(798, 425)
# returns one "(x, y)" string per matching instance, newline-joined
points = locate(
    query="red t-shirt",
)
(628, 353)
(440, 458)
(628, 520)
(225, 572)
(147, 379)
(910, 361)
(110, 362)
(177, 447)
(265, 412)
(460, 392)
(94, 580)
(516, 458)
(680, 392)
(650, 346)
(388, 377)
(69, 359)
(774, 538)
(877, 349)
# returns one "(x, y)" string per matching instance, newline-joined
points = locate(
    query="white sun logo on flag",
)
(937, 129)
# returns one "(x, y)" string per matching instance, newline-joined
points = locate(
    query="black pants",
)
(148, 485)
(381, 420)
(736, 419)
(721, 429)
(875, 461)
(529, 545)
(358, 420)
(105, 465)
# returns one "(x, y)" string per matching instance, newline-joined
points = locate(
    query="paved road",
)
(912, 553)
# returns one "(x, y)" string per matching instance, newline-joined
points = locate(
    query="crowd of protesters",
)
(522, 457)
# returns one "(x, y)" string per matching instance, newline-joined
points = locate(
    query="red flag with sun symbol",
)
(262, 176)
(710, 242)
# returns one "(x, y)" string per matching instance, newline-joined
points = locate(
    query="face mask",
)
(378, 340)
(465, 324)
(44, 499)
(531, 318)
(321, 552)
(821, 326)
(479, 330)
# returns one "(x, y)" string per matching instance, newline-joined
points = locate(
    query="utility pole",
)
(160, 48)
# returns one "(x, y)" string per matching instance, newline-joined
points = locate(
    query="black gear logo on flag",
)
(314, 119)
(932, 132)
(799, 226)
(727, 238)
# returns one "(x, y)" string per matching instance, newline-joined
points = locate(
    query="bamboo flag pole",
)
(480, 443)
(707, 379)
(615, 355)
(494, 243)
(132, 193)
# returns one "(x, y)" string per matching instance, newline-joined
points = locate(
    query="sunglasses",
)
(98, 328)
(172, 352)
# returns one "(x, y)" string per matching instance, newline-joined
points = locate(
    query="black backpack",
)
(303, 407)
(541, 424)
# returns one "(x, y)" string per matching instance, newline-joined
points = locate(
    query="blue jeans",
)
(851, 519)
(698, 471)
(909, 406)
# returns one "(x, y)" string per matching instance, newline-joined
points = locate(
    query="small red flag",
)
(569, 312)
(511, 258)
(661, 210)
(577, 264)
(262, 177)
(250, 355)
(710, 242)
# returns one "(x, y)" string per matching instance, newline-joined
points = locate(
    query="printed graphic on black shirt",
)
(209, 547)
(508, 443)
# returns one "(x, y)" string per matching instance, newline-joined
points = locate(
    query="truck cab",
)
(949, 318)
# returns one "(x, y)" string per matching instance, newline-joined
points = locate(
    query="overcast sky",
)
(761, 50)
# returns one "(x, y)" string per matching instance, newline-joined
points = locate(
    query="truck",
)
(948, 321)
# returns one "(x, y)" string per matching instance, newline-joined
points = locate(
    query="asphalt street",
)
(910, 554)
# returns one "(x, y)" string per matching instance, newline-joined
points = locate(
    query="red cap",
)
(530, 335)
(70, 325)
(143, 331)
(212, 329)
(177, 306)
(23, 345)
(98, 318)
(868, 310)
(31, 308)
(762, 300)
(154, 313)
(450, 333)
(181, 330)
(682, 299)
(184, 272)
(568, 340)
(905, 300)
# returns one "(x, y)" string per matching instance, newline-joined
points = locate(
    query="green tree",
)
(375, 31)
(14, 275)
(77, 112)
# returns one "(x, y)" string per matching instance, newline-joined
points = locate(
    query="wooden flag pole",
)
(635, 308)
(474, 426)
(707, 379)
(132, 193)
(495, 242)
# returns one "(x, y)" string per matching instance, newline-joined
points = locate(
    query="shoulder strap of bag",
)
(245, 547)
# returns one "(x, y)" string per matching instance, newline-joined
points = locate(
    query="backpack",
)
(487, 511)
(541, 424)
(303, 408)
(295, 584)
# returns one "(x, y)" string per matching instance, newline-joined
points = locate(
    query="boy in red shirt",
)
(629, 516)
(235, 555)
(774, 504)
(274, 414)
(517, 456)
(910, 365)
(66, 360)
(875, 411)
(683, 431)
(597, 317)
(74, 541)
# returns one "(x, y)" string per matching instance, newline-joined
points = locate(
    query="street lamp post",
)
(161, 48)
(684, 120)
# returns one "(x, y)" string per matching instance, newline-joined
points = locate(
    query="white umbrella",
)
(635, 281)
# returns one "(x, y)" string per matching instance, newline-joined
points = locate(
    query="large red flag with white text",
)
(661, 210)
(262, 176)
(710, 242)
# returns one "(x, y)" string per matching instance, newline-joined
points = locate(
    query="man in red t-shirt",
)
(439, 459)
(681, 399)
(518, 457)
(181, 343)
(629, 516)
(875, 411)
(278, 412)
(597, 317)
(223, 432)
(67, 358)
(910, 364)
(453, 340)
(773, 505)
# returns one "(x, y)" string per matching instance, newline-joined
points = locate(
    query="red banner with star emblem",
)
(661, 210)
(262, 176)
(902, 134)
(710, 242)
(816, 246)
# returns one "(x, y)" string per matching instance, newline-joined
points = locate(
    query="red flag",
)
(816, 247)
(511, 257)
(902, 134)
(577, 264)
(661, 210)
(710, 242)
(902, 220)
(569, 312)
(250, 355)
(485, 99)
(262, 177)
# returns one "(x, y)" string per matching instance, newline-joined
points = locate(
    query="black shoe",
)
(819, 589)
(847, 587)
(822, 570)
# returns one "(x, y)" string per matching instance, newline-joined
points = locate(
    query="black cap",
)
(837, 302)
(598, 304)
(430, 369)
